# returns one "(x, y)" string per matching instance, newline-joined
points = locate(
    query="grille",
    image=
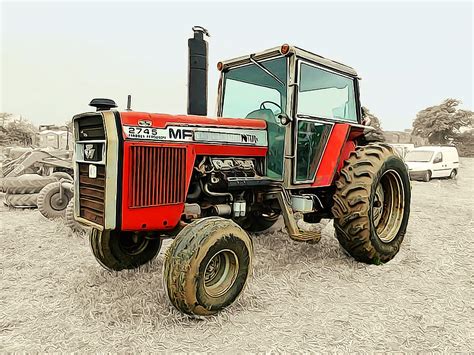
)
(157, 176)
(91, 128)
(92, 194)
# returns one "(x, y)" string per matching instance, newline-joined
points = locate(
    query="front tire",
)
(116, 250)
(372, 204)
(207, 266)
(50, 202)
(453, 174)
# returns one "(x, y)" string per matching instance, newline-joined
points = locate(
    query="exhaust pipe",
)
(197, 74)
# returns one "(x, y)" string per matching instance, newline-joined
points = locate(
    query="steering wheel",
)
(262, 105)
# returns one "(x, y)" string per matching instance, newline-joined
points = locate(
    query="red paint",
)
(349, 147)
(167, 217)
(330, 158)
(161, 120)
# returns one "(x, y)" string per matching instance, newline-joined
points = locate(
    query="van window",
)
(419, 156)
(438, 158)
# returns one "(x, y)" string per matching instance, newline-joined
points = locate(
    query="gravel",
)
(55, 296)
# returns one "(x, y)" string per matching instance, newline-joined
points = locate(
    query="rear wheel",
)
(117, 251)
(427, 176)
(372, 204)
(454, 174)
(207, 266)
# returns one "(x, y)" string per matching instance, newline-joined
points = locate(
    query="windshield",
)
(258, 90)
(250, 88)
(419, 156)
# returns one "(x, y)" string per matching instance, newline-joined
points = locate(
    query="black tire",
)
(427, 176)
(71, 222)
(26, 184)
(116, 250)
(372, 204)
(207, 266)
(50, 203)
(454, 174)
(58, 175)
(257, 222)
(21, 200)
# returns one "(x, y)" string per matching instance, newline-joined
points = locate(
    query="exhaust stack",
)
(197, 74)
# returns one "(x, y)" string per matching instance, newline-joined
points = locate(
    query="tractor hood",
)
(198, 129)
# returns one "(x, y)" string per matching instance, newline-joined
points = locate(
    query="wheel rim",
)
(388, 206)
(220, 273)
(133, 243)
(453, 174)
(57, 203)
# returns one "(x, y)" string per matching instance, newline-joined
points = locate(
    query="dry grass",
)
(55, 297)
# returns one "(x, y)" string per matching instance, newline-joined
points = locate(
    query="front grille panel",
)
(91, 128)
(157, 176)
(92, 194)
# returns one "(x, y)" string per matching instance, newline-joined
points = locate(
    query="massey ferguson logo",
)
(89, 151)
(180, 133)
(144, 123)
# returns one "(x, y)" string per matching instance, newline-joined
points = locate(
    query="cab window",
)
(259, 91)
(325, 94)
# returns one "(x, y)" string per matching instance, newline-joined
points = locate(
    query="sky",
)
(57, 56)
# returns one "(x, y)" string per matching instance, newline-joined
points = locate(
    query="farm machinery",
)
(287, 140)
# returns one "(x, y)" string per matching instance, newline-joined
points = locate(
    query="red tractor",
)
(288, 140)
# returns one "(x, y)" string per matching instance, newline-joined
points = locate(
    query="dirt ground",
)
(56, 297)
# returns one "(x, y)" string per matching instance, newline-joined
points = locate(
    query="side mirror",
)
(284, 119)
(437, 160)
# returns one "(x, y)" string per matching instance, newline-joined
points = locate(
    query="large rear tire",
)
(117, 251)
(207, 266)
(26, 184)
(372, 204)
(21, 200)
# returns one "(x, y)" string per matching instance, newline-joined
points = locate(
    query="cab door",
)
(325, 99)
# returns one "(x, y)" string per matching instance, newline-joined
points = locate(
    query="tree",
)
(371, 120)
(17, 131)
(441, 123)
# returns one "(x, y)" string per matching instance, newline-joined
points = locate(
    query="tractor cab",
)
(301, 96)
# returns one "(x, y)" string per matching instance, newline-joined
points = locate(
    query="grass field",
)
(56, 297)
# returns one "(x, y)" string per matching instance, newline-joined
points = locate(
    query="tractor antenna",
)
(129, 103)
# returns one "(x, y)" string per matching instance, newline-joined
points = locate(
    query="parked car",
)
(425, 163)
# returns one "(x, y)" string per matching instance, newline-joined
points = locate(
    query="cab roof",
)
(276, 51)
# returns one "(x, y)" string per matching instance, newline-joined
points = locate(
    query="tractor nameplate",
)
(209, 135)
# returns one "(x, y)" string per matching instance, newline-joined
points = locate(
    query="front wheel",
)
(116, 250)
(453, 174)
(207, 266)
(372, 204)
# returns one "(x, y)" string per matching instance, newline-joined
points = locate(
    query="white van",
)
(402, 149)
(429, 162)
